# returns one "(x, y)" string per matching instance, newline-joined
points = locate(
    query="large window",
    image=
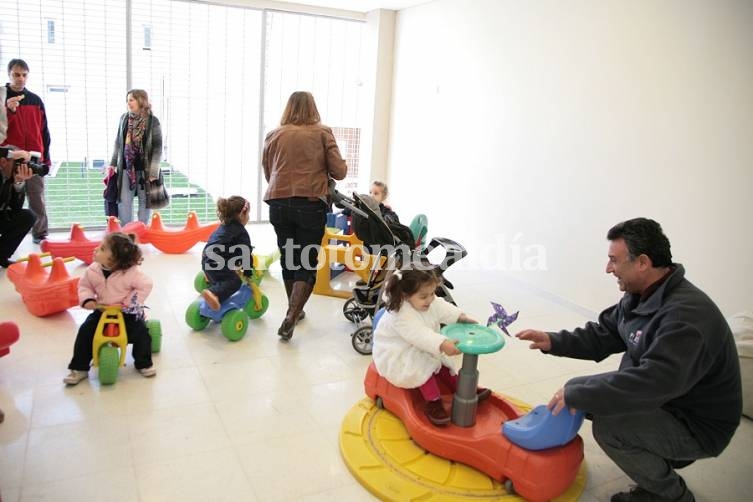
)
(218, 78)
(202, 71)
(298, 49)
(81, 78)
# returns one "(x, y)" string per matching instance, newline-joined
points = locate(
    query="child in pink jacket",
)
(114, 278)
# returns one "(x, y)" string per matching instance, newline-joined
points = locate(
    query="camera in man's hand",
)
(34, 164)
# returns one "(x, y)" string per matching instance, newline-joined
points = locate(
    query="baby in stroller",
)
(395, 244)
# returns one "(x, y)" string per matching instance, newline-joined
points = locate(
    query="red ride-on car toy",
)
(474, 437)
(8, 336)
(111, 340)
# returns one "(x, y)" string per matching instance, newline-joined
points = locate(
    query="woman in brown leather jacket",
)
(298, 159)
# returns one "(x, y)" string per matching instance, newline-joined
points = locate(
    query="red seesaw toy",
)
(44, 293)
(81, 247)
(178, 241)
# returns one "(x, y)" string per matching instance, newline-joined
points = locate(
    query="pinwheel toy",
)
(501, 318)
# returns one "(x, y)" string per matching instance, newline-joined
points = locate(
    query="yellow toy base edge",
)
(380, 454)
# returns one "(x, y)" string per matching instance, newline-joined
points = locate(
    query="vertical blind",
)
(201, 71)
(321, 55)
(218, 78)
(75, 50)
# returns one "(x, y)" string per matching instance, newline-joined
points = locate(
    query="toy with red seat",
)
(8, 336)
(472, 434)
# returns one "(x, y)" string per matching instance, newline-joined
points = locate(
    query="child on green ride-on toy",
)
(114, 278)
(227, 250)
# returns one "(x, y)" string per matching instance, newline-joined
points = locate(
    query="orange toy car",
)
(178, 241)
(44, 293)
(536, 475)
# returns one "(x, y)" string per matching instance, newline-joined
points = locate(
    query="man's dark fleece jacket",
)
(27, 126)
(680, 356)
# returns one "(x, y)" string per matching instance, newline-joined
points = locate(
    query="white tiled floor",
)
(257, 419)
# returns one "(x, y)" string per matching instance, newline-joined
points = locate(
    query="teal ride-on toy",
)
(247, 303)
(111, 340)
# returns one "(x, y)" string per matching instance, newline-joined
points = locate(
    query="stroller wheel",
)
(353, 312)
(362, 340)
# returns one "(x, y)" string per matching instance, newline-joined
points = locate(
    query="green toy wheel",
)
(474, 338)
(200, 282)
(109, 361)
(250, 307)
(234, 324)
(155, 331)
(194, 319)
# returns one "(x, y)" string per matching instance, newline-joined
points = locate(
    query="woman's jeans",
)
(641, 444)
(125, 204)
(299, 224)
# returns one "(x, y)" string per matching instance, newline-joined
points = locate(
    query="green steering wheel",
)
(474, 338)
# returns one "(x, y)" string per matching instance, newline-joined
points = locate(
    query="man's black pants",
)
(14, 225)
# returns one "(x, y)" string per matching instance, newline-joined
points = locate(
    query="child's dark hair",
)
(125, 252)
(403, 283)
(230, 209)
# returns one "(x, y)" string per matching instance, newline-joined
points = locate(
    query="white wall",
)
(558, 119)
(377, 63)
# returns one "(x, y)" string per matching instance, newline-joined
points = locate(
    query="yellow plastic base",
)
(380, 454)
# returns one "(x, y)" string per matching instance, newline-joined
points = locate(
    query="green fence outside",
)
(74, 195)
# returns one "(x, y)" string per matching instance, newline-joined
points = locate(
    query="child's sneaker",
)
(436, 413)
(148, 372)
(212, 301)
(75, 376)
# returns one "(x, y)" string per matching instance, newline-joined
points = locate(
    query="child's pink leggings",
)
(430, 389)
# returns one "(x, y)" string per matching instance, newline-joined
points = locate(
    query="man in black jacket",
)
(15, 221)
(677, 395)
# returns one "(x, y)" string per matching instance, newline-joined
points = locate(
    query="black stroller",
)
(394, 244)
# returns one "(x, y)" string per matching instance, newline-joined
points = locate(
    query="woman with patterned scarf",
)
(136, 159)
